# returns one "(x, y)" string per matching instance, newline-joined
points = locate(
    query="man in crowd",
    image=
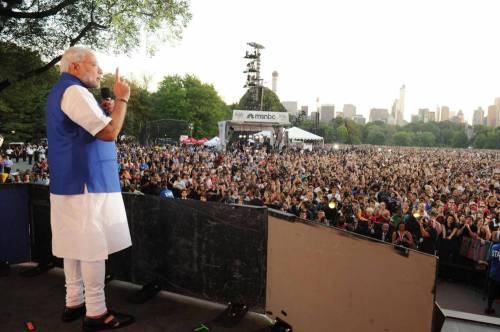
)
(493, 277)
(88, 217)
(29, 153)
(384, 234)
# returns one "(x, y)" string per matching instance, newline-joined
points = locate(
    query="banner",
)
(260, 116)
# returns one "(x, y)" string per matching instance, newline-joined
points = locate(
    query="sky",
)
(346, 51)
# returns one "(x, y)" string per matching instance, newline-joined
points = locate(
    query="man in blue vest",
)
(88, 217)
(493, 277)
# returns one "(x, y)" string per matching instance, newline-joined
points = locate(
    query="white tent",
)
(213, 142)
(297, 134)
(264, 133)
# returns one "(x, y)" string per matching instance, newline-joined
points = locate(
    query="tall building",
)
(497, 104)
(432, 116)
(423, 115)
(314, 116)
(349, 111)
(400, 110)
(379, 114)
(394, 108)
(478, 117)
(327, 112)
(491, 120)
(275, 81)
(359, 119)
(445, 113)
(460, 117)
(291, 107)
(304, 110)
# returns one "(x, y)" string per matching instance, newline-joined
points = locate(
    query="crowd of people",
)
(35, 155)
(425, 199)
(413, 197)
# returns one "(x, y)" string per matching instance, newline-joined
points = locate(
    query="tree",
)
(376, 135)
(425, 138)
(328, 132)
(353, 132)
(342, 134)
(118, 25)
(403, 138)
(459, 139)
(22, 105)
(488, 139)
(187, 98)
(251, 100)
(480, 141)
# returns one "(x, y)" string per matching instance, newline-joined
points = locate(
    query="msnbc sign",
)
(260, 116)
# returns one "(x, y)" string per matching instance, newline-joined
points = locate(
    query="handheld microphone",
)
(105, 93)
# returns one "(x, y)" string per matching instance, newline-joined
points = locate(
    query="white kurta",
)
(88, 226)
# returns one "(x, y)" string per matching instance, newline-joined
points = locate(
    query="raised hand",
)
(121, 88)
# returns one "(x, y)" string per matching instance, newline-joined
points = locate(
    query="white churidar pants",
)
(85, 277)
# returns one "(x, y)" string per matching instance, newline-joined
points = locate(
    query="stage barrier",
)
(206, 250)
(14, 218)
(324, 279)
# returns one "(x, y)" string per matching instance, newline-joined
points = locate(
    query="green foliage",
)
(376, 135)
(403, 138)
(328, 133)
(459, 139)
(251, 101)
(101, 24)
(342, 135)
(487, 138)
(22, 105)
(49, 27)
(187, 98)
(424, 138)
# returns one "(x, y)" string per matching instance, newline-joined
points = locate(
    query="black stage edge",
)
(41, 300)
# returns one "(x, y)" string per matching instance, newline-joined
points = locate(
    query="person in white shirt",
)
(29, 152)
(87, 224)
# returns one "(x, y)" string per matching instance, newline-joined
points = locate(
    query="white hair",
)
(72, 55)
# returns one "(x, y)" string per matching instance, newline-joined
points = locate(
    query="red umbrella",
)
(189, 140)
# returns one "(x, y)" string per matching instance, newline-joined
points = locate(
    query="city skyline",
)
(346, 52)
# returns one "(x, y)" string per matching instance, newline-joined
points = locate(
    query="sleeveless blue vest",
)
(76, 157)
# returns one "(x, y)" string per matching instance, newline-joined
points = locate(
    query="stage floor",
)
(41, 299)
(460, 297)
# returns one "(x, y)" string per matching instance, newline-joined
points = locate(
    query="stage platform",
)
(464, 306)
(40, 299)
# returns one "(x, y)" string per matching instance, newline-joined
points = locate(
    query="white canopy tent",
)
(213, 142)
(297, 134)
(264, 133)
